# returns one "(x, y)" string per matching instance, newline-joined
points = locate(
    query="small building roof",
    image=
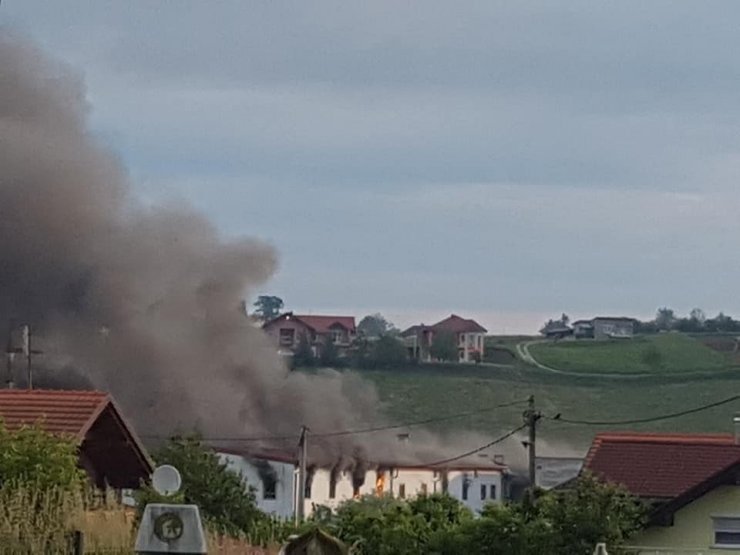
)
(318, 323)
(323, 324)
(456, 324)
(660, 466)
(109, 447)
(291, 457)
(413, 330)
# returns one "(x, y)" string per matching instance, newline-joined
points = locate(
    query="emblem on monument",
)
(168, 527)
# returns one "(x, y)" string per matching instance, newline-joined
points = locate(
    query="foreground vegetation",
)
(568, 522)
(664, 353)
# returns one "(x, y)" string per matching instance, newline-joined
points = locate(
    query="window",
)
(493, 491)
(287, 336)
(726, 531)
(402, 490)
(483, 491)
(332, 486)
(465, 487)
(309, 482)
(269, 487)
(424, 489)
(336, 336)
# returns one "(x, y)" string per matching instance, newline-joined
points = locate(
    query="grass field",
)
(427, 391)
(668, 353)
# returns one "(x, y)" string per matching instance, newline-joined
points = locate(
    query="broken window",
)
(333, 485)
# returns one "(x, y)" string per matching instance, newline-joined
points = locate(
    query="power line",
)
(479, 449)
(356, 431)
(558, 418)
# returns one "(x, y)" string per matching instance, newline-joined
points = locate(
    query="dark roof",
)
(413, 330)
(581, 322)
(319, 324)
(455, 324)
(275, 455)
(118, 457)
(291, 457)
(660, 466)
(614, 318)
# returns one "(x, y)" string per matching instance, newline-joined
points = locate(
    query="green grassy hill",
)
(668, 353)
(427, 391)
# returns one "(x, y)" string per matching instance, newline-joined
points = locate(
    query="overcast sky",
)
(502, 160)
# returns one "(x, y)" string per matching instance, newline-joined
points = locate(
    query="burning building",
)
(473, 483)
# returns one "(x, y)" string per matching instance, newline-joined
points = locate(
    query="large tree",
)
(665, 318)
(567, 522)
(226, 503)
(268, 307)
(444, 346)
(375, 325)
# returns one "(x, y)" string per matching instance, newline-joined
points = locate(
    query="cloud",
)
(530, 156)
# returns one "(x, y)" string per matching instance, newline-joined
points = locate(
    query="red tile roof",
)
(68, 412)
(455, 324)
(323, 324)
(660, 466)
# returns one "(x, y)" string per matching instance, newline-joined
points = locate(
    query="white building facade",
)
(275, 484)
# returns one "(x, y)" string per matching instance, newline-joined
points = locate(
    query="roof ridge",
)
(667, 437)
(54, 391)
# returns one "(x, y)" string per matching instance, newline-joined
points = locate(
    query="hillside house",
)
(604, 327)
(469, 337)
(275, 477)
(109, 450)
(583, 329)
(690, 481)
(287, 330)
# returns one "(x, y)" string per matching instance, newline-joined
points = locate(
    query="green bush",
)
(226, 504)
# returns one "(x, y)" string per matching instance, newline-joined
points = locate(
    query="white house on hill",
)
(275, 478)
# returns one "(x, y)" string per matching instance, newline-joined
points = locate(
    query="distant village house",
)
(469, 337)
(287, 330)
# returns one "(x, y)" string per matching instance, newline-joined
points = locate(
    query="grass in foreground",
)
(665, 353)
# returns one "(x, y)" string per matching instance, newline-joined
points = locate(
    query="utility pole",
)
(28, 352)
(302, 456)
(531, 416)
(9, 355)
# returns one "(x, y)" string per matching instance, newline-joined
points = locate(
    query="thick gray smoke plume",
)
(142, 302)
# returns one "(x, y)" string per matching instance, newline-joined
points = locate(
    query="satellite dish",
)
(166, 480)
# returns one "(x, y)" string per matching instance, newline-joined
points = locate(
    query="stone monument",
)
(170, 528)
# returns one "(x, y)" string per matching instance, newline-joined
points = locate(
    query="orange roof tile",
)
(660, 465)
(63, 412)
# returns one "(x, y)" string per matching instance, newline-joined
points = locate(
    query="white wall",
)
(282, 505)
(475, 479)
(413, 481)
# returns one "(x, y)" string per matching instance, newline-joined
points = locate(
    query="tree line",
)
(696, 321)
(666, 319)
